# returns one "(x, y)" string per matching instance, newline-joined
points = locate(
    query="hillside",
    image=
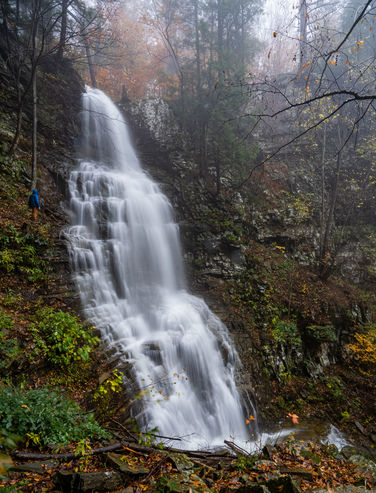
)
(291, 326)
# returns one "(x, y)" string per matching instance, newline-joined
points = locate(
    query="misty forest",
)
(188, 246)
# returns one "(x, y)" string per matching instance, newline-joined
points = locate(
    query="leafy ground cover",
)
(290, 467)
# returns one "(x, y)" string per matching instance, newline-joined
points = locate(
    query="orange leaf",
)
(294, 418)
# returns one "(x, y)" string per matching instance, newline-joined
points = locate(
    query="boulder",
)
(364, 465)
(89, 481)
(343, 489)
(348, 451)
(131, 471)
(253, 488)
(181, 462)
(34, 467)
(6, 462)
(283, 484)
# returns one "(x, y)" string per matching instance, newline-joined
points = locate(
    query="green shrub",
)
(322, 333)
(13, 167)
(106, 394)
(7, 260)
(61, 338)
(286, 332)
(43, 416)
(9, 351)
(9, 347)
(244, 463)
(11, 299)
(5, 321)
(22, 253)
(335, 387)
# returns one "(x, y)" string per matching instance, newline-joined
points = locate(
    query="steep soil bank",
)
(44, 344)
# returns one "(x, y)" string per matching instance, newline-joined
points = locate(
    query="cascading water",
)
(126, 256)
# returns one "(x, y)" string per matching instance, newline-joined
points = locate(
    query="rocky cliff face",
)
(251, 255)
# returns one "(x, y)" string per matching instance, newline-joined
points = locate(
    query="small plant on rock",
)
(245, 462)
(106, 393)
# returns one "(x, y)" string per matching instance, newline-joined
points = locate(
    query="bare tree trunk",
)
(203, 150)
(242, 30)
(220, 40)
(211, 50)
(89, 57)
(201, 125)
(218, 175)
(334, 198)
(63, 30)
(303, 20)
(323, 193)
(198, 54)
(34, 62)
(325, 249)
(35, 135)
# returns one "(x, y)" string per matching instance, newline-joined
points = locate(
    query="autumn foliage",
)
(134, 60)
(364, 347)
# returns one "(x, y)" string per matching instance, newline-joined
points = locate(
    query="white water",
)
(335, 437)
(126, 256)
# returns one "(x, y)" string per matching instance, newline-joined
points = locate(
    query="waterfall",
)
(127, 262)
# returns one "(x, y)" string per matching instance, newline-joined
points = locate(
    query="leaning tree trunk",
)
(34, 162)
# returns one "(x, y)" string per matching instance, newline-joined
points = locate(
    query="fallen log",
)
(132, 446)
(67, 456)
